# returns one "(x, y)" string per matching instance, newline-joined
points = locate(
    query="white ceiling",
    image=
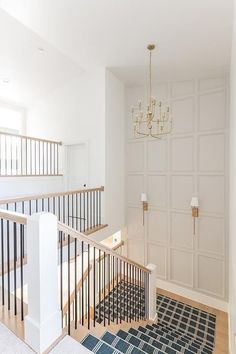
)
(193, 36)
(31, 73)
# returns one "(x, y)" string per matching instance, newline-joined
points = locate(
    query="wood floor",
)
(221, 343)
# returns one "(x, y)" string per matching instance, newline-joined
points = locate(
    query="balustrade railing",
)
(101, 285)
(80, 209)
(13, 259)
(22, 156)
(97, 284)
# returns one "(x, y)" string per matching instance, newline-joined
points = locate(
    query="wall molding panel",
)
(191, 161)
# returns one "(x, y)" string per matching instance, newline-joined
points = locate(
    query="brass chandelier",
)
(156, 120)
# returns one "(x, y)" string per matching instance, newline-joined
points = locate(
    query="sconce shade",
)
(143, 197)
(194, 202)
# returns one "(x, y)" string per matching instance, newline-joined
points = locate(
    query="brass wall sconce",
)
(195, 211)
(145, 203)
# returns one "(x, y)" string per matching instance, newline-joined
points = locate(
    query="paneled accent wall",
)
(192, 161)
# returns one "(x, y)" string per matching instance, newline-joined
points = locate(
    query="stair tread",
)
(185, 338)
(176, 344)
(121, 344)
(97, 345)
(137, 341)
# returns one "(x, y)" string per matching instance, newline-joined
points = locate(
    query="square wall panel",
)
(135, 186)
(181, 192)
(181, 267)
(182, 157)
(182, 88)
(211, 234)
(183, 115)
(157, 191)
(211, 194)
(136, 251)
(157, 226)
(135, 227)
(157, 255)
(212, 153)
(211, 275)
(135, 161)
(182, 230)
(211, 84)
(212, 111)
(157, 155)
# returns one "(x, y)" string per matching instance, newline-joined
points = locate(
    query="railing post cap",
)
(151, 267)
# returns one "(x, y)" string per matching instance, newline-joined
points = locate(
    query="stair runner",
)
(180, 329)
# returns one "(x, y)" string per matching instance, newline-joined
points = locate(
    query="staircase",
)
(180, 329)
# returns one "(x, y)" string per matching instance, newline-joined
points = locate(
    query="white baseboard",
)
(193, 295)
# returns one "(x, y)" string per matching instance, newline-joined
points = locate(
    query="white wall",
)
(75, 113)
(191, 161)
(232, 197)
(115, 155)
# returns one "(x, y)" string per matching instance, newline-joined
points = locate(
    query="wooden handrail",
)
(13, 216)
(31, 138)
(79, 236)
(49, 195)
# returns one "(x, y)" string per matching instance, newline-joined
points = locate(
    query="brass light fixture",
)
(155, 121)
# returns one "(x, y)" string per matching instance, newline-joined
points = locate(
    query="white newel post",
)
(43, 322)
(152, 291)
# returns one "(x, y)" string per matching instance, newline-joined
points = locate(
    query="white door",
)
(77, 166)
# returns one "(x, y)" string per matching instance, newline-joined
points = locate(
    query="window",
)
(11, 119)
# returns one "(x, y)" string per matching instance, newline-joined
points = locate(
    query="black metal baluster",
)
(135, 298)
(87, 201)
(130, 281)
(108, 285)
(21, 271)
(80, 213)
(68, 300)
(76, 305)
(61, 268)
(15, 259)
(120, 289)
(117, 290)
(138, 296)
(88, 286)
(3, 271)
(99, 284)
(82, 281)
(128, 297)
(104, 288)
(113, 288)
(94, 286)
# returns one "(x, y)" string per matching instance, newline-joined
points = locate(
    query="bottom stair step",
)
(97, 345)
